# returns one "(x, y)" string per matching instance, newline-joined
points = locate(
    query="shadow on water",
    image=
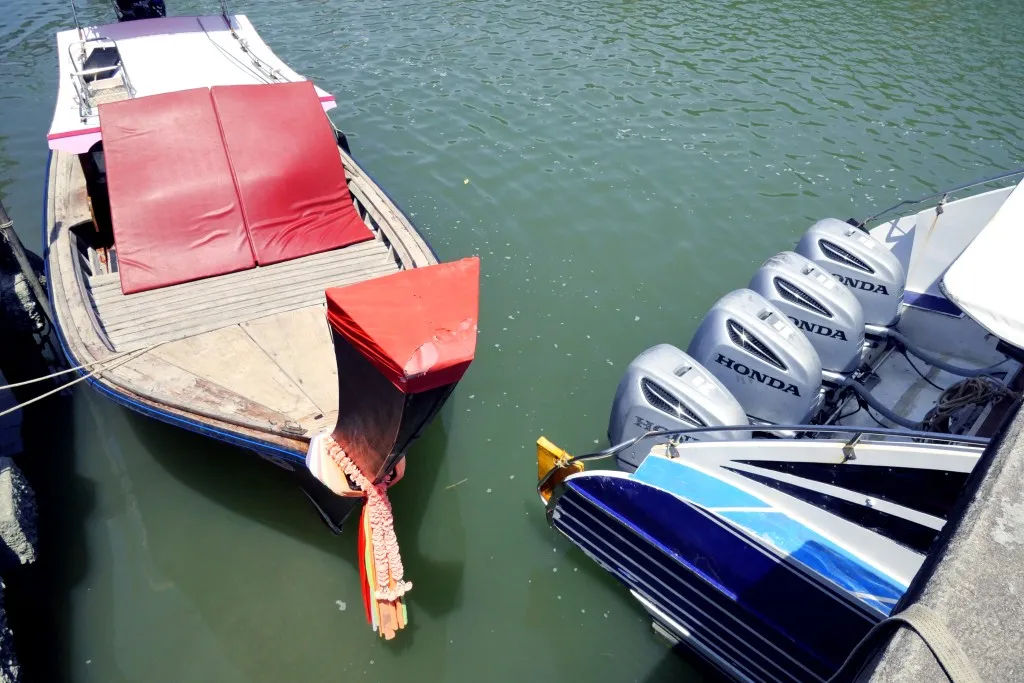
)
(242, 482)
(38, 596)
(411, 499)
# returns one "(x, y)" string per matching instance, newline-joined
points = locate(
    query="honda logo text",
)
(767, 380)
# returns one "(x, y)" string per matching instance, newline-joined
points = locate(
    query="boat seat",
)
(248, 175)
(287, 170)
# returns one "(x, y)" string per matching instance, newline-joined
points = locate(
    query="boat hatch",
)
(206, 182)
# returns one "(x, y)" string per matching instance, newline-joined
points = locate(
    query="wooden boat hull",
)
(79, 334)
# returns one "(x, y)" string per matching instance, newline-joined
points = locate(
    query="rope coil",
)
(967, 392)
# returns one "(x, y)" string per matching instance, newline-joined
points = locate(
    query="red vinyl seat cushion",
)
(287, 169)
(205, 183)
(417, 326)
(173, 203)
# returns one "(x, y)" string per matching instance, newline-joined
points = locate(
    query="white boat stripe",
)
(877, 598)
(744, 509)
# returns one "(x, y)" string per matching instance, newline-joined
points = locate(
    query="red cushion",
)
(417, 326)
(287, 169)
(174, 207)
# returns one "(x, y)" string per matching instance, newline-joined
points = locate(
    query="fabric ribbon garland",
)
(387, 586)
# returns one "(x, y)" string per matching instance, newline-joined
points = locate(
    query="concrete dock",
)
(973, 580)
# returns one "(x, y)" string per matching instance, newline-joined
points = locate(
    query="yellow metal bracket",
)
(553, 466)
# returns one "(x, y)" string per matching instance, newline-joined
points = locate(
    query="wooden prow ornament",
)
(380, 564)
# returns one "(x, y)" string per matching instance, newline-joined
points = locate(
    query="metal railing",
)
(79, 74)
(856, 434)
(942, 196)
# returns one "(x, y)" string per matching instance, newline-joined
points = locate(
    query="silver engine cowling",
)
(760, 357)
(862, 263)
(664, 389)
(823, 309)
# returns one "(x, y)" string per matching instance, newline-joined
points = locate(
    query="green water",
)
(627, 163)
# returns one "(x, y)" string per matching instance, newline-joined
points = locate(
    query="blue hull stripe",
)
(933, 303)
(822, 557)
(714, 625)
(754, 592)
(790, 537)
(701, 488)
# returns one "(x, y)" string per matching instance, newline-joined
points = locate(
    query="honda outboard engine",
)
(760, 357)
(823, 309)
(862, 263)
(665, 389)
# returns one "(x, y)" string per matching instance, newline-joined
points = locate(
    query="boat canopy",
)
(418, 327)
(206, 182)
(155, 56)
(983, 279)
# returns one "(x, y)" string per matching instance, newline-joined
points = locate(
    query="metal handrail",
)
(942, 195)
(857, 433)
(97, 70)
(78, 75)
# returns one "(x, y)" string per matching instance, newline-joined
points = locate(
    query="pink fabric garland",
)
(387, 561)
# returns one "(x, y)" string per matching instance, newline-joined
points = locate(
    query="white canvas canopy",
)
(984, 281)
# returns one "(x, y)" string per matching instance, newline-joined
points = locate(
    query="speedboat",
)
(217, 260)
(782, 481)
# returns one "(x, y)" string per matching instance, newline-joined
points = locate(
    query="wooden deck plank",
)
(192, 321)
(106, 288)
(114, 312)
(152, 375)
(299, 341)
(230, 358)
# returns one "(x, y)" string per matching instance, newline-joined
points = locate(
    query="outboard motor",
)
(129, 10)
(826, 312)
(665, 389)
(760, 357)
(862, 263)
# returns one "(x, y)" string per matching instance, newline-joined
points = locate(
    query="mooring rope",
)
(107, 365)
(83, 366)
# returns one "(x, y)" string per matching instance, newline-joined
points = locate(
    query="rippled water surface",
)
(618, 166)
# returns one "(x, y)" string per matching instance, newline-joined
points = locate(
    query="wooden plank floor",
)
(146, 318)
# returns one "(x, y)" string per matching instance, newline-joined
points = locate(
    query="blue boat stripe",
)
(752, 668)
(702, 646)
(653, 541)
(678, 612)
(581, 536)
(862, 610)
(694, 485)
(933, 303)
(751, 631)
(782, 534)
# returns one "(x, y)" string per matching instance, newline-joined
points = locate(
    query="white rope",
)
(83, 366)
(62, 387)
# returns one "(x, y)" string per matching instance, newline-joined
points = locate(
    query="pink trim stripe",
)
(72, 133)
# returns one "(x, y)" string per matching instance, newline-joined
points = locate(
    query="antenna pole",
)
(74, 12)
